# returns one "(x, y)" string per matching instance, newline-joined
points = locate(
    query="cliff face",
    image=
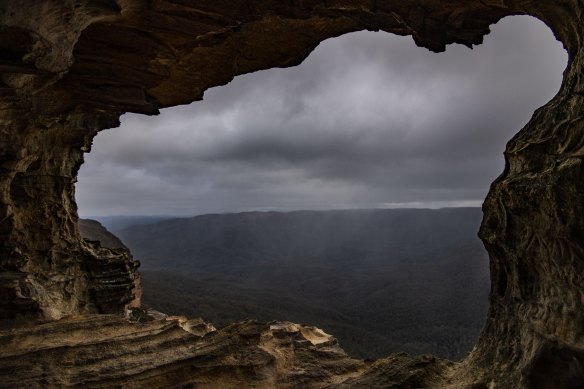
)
(70, 68)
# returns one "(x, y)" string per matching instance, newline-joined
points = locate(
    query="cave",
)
(70, 69)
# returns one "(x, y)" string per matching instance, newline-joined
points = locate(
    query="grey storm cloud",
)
(368, 120)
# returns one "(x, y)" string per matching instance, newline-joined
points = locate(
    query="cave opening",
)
(333, 137)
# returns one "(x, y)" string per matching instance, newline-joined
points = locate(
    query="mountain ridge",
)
(411, 280)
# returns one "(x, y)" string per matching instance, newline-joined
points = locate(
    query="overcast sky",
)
(368, 120)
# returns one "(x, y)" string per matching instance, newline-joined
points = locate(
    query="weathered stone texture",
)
(70, 68)
(97, 351)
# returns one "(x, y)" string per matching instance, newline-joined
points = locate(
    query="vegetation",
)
(381, 281)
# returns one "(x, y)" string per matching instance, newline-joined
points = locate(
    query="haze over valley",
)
(380, 281)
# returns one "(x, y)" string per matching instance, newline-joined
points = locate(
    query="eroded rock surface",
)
(107, 350)
(70, 68)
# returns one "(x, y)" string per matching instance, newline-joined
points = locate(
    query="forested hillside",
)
(380, 280)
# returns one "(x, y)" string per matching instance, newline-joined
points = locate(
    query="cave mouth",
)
(367, 145)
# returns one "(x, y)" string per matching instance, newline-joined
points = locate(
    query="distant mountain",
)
(117, 223)
(94, 230)
(241, 240)
(412, 280)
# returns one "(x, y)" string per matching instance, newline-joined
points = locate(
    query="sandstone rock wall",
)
(98, 351)
(69, 68)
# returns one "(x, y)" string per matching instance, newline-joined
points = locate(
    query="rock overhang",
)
(71, 68)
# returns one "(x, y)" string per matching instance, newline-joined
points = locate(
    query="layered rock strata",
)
(97, 351)
(70, 68)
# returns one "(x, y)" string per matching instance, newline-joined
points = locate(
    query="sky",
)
(368, 120)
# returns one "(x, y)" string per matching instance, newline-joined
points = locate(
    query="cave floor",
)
(157, 351)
